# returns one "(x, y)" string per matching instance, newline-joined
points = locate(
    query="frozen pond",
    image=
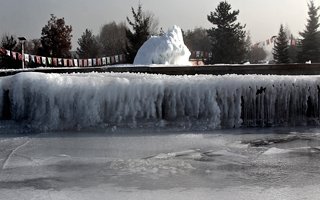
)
(278, 163)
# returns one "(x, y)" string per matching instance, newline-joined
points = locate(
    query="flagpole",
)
(22, 40)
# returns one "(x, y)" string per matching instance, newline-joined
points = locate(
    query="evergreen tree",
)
(227, 36)
(281, 47)
(139, 34)
(88, 45)
(56, 38)
(310, 43)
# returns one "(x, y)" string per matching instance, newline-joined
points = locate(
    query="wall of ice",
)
(61, 101)
(168, 49)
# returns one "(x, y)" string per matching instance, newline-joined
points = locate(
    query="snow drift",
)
(167, 49)
(61, 101)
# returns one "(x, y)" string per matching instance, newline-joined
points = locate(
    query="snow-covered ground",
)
(244, 164)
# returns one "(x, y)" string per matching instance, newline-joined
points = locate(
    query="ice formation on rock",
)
(167, 49)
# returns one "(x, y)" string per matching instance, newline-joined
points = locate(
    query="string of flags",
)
(291, 42)
(63, 62)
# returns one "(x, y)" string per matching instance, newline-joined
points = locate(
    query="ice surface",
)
(183, 165)
(167, 49)
(76, 101)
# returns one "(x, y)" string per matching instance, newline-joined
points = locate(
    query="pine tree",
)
(310, 43)
(227, 36)
(281, 47)
(139, 34)
(88, 45)
(56, 38)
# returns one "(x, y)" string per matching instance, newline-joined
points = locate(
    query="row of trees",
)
(230, 43)
(227, 39)
(113, 39)
(309, 45)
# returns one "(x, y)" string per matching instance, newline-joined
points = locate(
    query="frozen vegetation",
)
(168, 49)
(76, 101)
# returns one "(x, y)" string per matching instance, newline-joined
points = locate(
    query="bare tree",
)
(113, 38)
(197, 40)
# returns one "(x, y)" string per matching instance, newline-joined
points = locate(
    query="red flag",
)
(55, 62)
(70, 63)
(2, 51)
(80, 62)
(38, 58)
(19, 56)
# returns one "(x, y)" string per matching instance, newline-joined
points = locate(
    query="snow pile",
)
(168, 49)
(61, 101)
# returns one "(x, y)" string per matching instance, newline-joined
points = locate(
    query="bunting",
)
(70, 62)
(26, 57)
(55, 61)
(80, 63)
(49, 61)
(44, 60)
(273, 39)
(59, 61)
(2, 51)
(19, 56)
(65, 62)
(14, 55)
(75, 61)
(38, 58)
(33, 58)
(90, 62)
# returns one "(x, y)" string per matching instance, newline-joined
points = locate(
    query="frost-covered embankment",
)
(61, 101)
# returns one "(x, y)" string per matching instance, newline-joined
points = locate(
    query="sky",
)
(262, 17)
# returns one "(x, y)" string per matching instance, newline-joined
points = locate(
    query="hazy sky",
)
(262, 17)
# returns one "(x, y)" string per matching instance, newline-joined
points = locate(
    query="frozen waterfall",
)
(75, 101)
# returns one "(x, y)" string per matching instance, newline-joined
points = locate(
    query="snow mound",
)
(168, 49)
